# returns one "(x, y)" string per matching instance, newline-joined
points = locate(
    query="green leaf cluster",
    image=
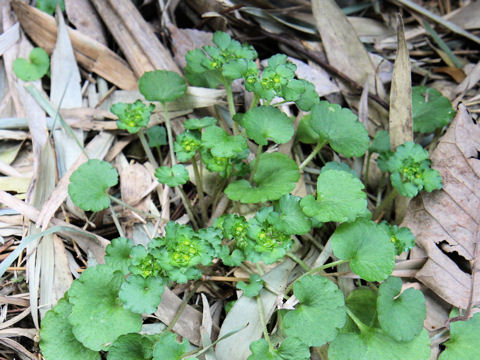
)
(132, 117)
(410, 170)
(401, 237)
(430, 109)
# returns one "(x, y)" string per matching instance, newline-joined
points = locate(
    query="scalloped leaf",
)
(290, 349)
(253, 287)
(289, 217)
(367, 246)
(162, 85)
(167, 347)
(276, 175)
(339, 198)
(400, 314)
(265, 123)
(430, 109)
(222, 144)
(157, 136)
(117, 254)
(141, 295)
(56, 338)
(320, 314)
(97, 317)
(89, 184)
(172, 176)
(340, 126)
(463, 342)
(197, 124)
(374, 344)
(34, 69)
(131, 347)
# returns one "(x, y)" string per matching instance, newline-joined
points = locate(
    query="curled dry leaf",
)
(446, 222)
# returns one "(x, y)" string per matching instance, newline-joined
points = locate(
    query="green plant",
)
(103, 309)
(34, 69)
(49, 6)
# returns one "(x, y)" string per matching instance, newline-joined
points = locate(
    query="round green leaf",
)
(363, 303)
(380, 346)
(131, 347)
(320, 314)
(253, 287)
(290, 219)
(141, 295)
(265, 123)
(402, 316)
(117, 254)
(157, 136)
(430, 109)
(339, 198)
(345, 134)
(197, 124)
(167, 347)
(381, 142)
(56, 338)
(172, 176)
(347, 347)
(276, 175)
(97, 317)
(34, 69)
(305, 133)
(367, 246)
(162, 85)
(290, 349)
(463, 342)
(222, 144)
(89, 183)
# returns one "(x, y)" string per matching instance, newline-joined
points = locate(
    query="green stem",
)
(255, 166)
(356, 320)
(261, 312)
(188, 206)
(298, 261)
(130, 207)
(254, 103)
(169, 133)
(182, 307)
(367, 169)
(201, 197)
(314, 153)
(146, 148)
(231, 105)
(386, 202)
(314, 271)
(116, 222)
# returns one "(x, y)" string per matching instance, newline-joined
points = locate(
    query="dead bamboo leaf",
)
(82, 14)
(92, 55)
(447, 221)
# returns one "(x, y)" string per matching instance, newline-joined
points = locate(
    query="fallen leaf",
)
(446, 221)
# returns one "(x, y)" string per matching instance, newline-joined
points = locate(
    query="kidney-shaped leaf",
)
(117, 254)
(367, 246)
(97, 316)
(162, 85)
(172, 176)
(340, 126)
(89, 183)
(463, 342)
(167, 347)
(276, 175)
(56, 338)
(141, 295)
(265, 123)
(339, 198)
(430, 109)
(402, 316)
(222, 144)
(320, 314)
(290, 219)
(34, 69)
(131, 347)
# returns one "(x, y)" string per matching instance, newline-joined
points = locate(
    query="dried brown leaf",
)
(82, 14)
(447, 221)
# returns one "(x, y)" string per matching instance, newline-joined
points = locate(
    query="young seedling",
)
(34, 69)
